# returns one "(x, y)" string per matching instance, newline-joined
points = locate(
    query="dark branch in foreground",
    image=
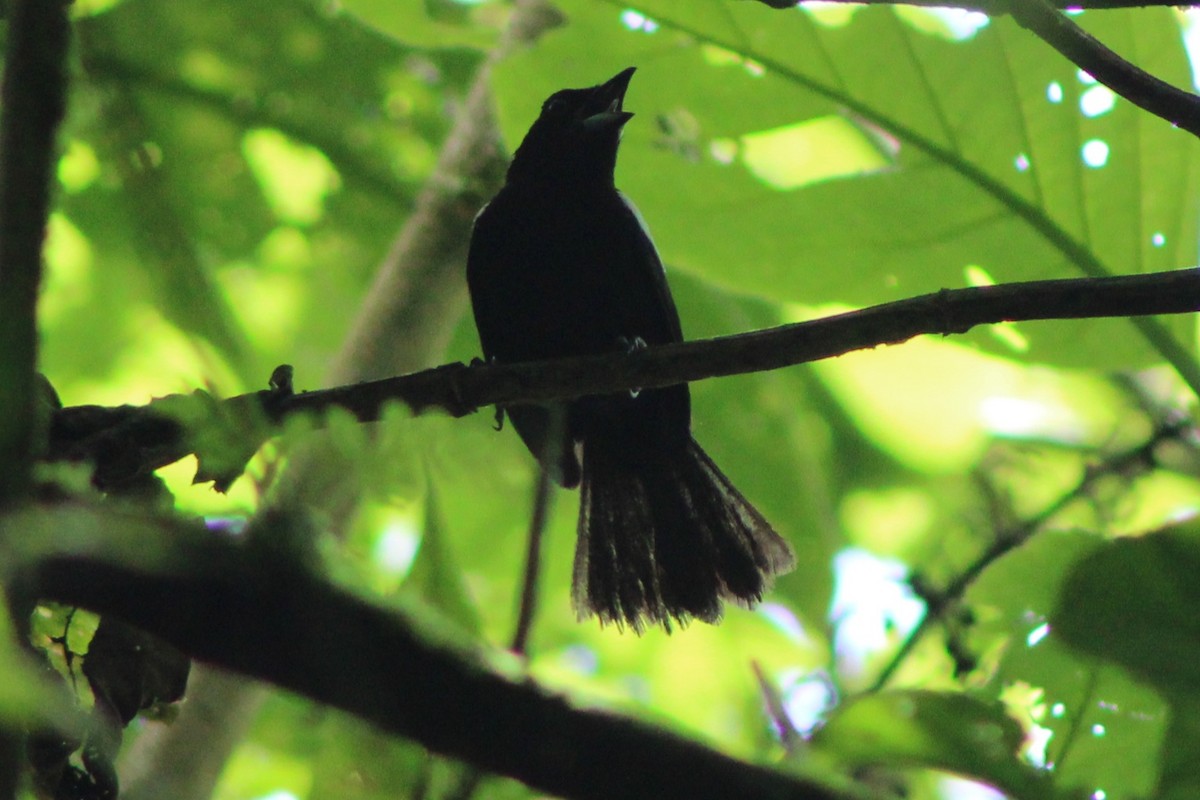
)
(34, 98)
(1139, 87)
(127, 440)
(249, 609)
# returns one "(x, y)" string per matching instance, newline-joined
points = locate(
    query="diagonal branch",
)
(1009, 539)
(253, 610)
(1139, 87)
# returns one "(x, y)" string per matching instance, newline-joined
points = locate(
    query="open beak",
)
(608, 100)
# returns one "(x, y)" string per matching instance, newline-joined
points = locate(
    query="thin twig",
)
(543, 492)
(1139, 87)
(533, 560)
(1008, 540)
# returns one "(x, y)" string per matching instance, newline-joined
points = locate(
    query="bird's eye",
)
(556, 104)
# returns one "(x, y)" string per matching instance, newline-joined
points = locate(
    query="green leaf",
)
(1136, 602)
(947, 731)
(1104, 729)
(1180, 779)
(958, 120)
(176, 202)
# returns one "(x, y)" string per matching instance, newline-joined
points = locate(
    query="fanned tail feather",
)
(666, 538)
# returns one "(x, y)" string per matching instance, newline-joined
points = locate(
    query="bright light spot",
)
(1098, 730)
(1023, 417)
(1096, 101)
(1085, 78)
(1057, 710)
(280, 795)
(1099, 794)
(1015, 416)
(807, 700)
(1007, 334)
(1073, 11)
(1037, 634)
(78, 166)
(1191, 42)
(959, 22)
(872, 603)
(1095, 153)
(723, 151)
(1036, 741)
(397, 546)
(1158, 240)
(636, 21)
(976, 275)
(828, 14)
(295, 178)
(802, 153)
(954, 788)
(1021, 162)
(1054, 92)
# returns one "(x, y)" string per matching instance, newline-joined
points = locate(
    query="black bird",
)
(561, 265)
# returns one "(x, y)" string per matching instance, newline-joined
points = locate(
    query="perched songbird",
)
(561, 265)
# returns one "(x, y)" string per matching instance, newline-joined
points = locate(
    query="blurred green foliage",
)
(233, 172)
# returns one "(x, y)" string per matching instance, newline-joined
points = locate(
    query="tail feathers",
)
(665, 538)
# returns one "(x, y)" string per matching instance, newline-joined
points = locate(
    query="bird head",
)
(576, 136)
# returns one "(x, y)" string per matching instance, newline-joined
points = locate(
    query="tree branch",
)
(461, 390)
(1139, 87)
(32, 103)
(127, 440)
(34, 98)
(250, 610)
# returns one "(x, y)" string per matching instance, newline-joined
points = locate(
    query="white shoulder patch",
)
(636, 214)
(479, 213)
